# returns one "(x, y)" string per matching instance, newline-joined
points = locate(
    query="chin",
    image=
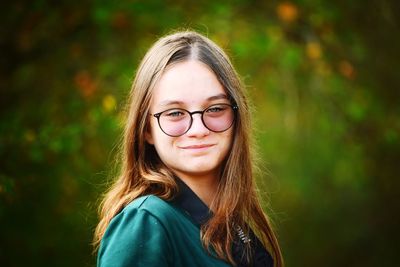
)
(203, 166)
(201, 170)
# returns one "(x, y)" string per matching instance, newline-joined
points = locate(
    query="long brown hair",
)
(142, 172)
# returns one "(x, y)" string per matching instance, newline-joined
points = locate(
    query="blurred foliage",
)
(321, 74)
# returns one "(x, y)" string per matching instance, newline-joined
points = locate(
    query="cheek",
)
(229, 138)
(226, 143)
(162, 143)
(154, 135)
(229, 142)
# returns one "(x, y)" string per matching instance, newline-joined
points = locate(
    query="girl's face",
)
(192, 86)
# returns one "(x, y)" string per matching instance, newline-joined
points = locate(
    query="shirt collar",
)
(187, 200)
(190, 203)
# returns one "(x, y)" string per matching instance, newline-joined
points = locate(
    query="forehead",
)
(190, 82)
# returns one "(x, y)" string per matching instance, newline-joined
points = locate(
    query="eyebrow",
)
(177, 102)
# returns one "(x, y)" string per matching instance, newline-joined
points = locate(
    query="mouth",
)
(197, 147)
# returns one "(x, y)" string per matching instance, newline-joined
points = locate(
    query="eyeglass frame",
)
(233, 107)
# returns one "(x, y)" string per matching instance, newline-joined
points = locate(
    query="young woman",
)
(186, 194)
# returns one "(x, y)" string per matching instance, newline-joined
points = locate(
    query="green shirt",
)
(152, 232)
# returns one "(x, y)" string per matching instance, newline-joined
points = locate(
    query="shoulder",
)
(152, 205)
(144, 212)
(138, 232)
(148, 203)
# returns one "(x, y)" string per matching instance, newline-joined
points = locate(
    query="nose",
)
(197, 129)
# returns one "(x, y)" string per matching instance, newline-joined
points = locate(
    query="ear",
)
(148, 135)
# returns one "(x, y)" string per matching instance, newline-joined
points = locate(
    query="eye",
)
(174, 113)
(216, 109)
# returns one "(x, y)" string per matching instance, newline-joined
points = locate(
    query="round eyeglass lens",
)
(175, 122)
(218, 118)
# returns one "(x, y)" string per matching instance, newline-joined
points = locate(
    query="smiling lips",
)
(197, 147)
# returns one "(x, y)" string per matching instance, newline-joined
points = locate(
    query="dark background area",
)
(322, 75)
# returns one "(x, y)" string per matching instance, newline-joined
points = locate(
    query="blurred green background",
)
(323, 77)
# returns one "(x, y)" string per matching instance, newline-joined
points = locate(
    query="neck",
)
(204, 186)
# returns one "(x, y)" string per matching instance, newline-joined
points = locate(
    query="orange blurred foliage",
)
(85, 83)
(347, 69)
(313, 50)
(120, 20)
(287, 12)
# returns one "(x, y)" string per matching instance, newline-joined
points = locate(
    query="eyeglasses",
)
(177, 121)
